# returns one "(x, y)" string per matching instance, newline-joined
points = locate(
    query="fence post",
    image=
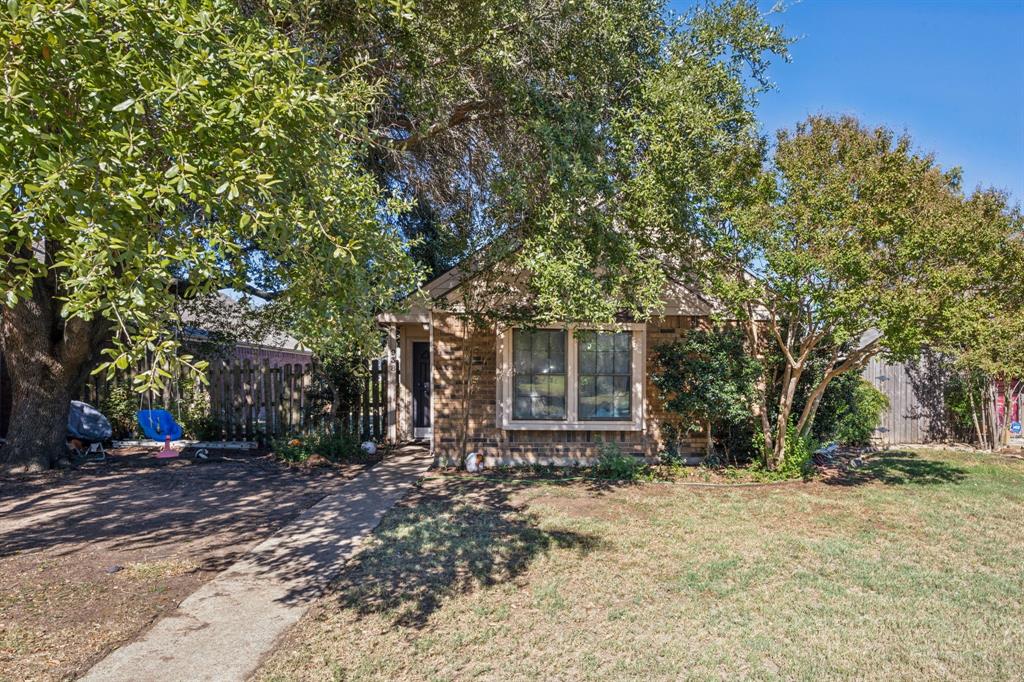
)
(295, 402)
(365, 433)
(286, 397)
(307, 386)
(264, 402)
(248, 389)
(279, 390)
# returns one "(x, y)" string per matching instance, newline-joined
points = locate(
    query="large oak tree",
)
(160, 148)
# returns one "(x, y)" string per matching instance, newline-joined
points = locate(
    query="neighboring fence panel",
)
(917, 410)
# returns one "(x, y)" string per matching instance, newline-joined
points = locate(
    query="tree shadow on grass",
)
(902, 468)
(444, 542)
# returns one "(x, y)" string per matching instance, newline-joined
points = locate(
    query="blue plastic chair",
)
(158, 424)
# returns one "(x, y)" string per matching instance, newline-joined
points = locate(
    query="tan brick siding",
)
(451, 374)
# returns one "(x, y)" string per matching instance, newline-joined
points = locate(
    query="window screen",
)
(605, 375)
(538, 374)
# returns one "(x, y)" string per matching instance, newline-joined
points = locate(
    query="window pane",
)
(605, 375)
(538, 374)
(588, 362)
(622, 361)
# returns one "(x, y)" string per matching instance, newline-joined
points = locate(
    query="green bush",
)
(797, 460)
(614, 465)
(336, 447)
(194, 412)
(964, 396)
(849, 412)
(707, 379)
(119, 406)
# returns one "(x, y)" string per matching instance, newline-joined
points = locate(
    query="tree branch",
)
(778, 337)
(463, 112)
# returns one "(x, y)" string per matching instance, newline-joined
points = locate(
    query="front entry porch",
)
(410, 380)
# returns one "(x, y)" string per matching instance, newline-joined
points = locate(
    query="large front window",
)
(539, 374)
(585, 379)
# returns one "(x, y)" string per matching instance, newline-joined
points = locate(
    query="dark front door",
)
(420, 384)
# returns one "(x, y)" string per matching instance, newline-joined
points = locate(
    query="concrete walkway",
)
(223, 629)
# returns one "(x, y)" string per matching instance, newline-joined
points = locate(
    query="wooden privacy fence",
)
(256, 402)
(252, 401)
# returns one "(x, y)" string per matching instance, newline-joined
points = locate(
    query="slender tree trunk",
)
(974, 416)
(810, 411)
(710, 445)
(48, 360)
(1004, 431)
(791, 379)
(993, 421)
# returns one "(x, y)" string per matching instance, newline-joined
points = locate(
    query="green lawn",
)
(915, 569)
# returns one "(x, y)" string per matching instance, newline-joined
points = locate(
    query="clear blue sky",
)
(951, 73)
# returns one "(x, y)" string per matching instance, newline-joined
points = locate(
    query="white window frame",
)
(572, 422)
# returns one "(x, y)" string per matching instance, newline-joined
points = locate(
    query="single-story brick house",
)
(550, 395)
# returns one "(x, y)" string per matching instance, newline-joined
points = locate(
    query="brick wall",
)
(454, 344)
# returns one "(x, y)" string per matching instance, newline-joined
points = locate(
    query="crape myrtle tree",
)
(985, 341)
(857, 245)
(152, 149)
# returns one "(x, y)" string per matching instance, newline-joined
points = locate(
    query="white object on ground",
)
(474, 462)
(369, 447)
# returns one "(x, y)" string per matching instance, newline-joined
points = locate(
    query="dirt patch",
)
(90, 557)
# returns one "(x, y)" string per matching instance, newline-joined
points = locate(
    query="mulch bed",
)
(89, 557)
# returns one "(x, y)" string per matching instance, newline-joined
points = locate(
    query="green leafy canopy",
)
(150, 149)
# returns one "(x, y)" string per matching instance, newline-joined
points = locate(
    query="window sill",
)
(572, 426)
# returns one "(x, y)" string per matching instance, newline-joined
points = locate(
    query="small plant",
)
(119, 406)
(336, 447)
(194, 412)
(796, 462)
(614, 465)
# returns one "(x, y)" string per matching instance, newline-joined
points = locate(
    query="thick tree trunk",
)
(39, 418)
(48, 360)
